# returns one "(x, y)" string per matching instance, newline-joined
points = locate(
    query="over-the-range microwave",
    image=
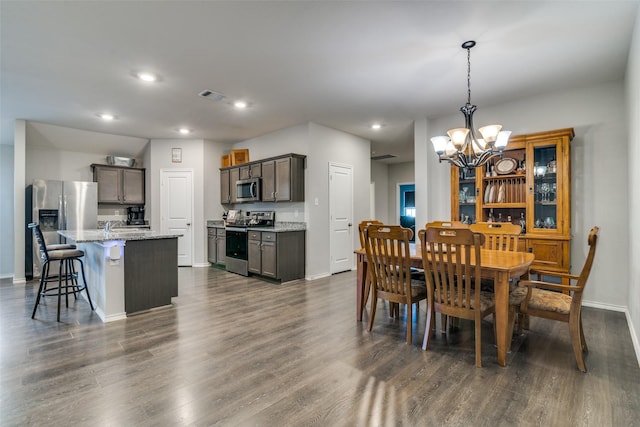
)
(248, 190)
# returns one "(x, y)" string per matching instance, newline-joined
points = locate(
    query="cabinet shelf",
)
(505, 205)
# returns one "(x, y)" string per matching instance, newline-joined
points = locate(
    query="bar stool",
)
(66, 255)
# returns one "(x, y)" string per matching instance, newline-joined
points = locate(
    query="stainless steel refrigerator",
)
(57, 205)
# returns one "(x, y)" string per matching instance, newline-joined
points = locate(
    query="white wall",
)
(633, 106)
(599, 174)
(380, 177)
(6, 210)
(19, 185)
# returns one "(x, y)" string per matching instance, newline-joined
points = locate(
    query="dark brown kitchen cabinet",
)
(277, 255)
(225, 186)
(283, 179)
(119, 185)
(252, 170)
(216, 245)
(234, 176)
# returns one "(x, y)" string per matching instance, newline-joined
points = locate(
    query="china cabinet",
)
(530, 185)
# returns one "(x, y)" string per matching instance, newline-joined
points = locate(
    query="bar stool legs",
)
(67, 274)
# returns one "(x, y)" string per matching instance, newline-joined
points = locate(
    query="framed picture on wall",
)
(176, 155)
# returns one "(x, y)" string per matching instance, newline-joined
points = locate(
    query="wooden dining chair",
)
(453, 283)
(389, 266)
(562, 302)
(503, 236)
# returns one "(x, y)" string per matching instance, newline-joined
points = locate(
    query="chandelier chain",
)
(468, 75)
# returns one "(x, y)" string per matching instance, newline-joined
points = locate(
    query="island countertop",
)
(86, 236)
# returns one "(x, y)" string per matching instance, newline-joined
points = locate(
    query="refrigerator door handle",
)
(64, 215)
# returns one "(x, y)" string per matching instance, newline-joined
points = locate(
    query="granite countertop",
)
(86, 236)
(279, 227)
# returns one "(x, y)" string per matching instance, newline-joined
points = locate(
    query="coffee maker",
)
(135, 215)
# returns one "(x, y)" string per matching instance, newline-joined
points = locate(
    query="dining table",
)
(500, 266)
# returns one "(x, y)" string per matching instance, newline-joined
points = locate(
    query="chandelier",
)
(463, 148)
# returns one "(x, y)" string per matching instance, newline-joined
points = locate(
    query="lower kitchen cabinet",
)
(216, 245)
(277, 255)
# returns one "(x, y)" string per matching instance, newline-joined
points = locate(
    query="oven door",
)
(236, 241)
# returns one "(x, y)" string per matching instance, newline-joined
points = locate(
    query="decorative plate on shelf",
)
(506, 165)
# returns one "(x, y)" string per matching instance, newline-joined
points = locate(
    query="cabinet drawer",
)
(268, 236)
(254, 235)
(220, 232)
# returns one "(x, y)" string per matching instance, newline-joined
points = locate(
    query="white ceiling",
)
(342, 64)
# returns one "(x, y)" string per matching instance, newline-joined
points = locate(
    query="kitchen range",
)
(237, 243)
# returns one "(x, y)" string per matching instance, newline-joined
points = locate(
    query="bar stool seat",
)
(59, 246)
(67, 277)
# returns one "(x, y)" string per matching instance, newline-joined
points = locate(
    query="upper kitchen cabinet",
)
(119, 185)
(225, 186)
(283, 179)
(251, 170)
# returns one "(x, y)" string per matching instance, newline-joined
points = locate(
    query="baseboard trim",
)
(19, 280)
(610, 307)
(634, 336)
(201, 265)
(317, 276)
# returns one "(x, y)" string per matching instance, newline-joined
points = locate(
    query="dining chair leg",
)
(429, 326)
(478, 326)
(372, 315)
(585, 349)
(409, 322)
(574, 331)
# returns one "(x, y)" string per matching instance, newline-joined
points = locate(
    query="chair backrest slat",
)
(501, 236)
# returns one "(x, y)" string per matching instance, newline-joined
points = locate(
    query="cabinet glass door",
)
(545, 187)
(467, 195)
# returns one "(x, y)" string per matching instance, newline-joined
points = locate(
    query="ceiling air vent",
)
(212, 95)
(383, 157)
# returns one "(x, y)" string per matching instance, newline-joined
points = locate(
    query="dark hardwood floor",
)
(237, 351)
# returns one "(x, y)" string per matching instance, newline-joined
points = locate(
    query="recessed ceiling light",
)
(376, 126)
(147, 77)
(240, 104)
(184, 131)
(106, 116)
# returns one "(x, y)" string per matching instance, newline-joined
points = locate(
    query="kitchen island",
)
(128, 271)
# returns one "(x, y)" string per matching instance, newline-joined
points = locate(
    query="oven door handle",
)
(240, 229)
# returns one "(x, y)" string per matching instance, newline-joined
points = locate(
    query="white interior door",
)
(341, 217)
(176, 198)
